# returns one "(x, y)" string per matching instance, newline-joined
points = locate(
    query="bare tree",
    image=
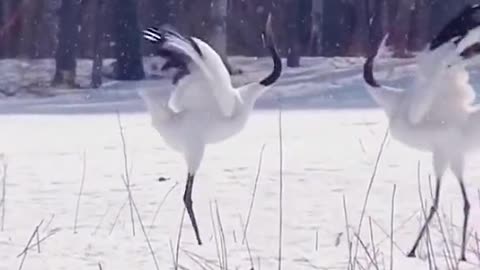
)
(298, 16)
(401, 31)
(29, 27)
(97, 45)
(421, 32)
(360, 31)
(208, 21)
(11, 10)
(46, 40)
(218, 30)
(317, 27)
(3, 21)
(30, 21)
(129, 65)
(337, 25)
(378, 21)
(65, 68)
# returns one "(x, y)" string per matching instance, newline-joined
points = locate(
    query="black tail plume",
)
(269, 42)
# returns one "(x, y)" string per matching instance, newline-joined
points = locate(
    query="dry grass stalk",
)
(367, 252)
(41, 240)
(198, 262)
(477, 247)
(117, 216)
(372, 241)
(97, 227)
(247, 244)
(370, 184)
(38, 241)
(161, 204)
(140, 220)
(430, 253)
(126, 171)
(4, 194)
(174, 261)
(217, 245)
(179, 239)
(25, 250)
(257, 176)
(401, 226)
(48, 223)
(77, 208)
(392, 215)
(349, 240)
(280, 222)
(211, 265)
(223, 243)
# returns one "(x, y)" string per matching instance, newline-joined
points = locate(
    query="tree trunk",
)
(10, 27)
(360, 31)
(97, 45)
(293, 50)
(3, 16)
(245, 23)
(402, 27)
(377, 26)
(31, 20)
(317, 29)
(299, 32)
(392, 7)
(337, 27)
(421, 27)
(218, 30)
(46, 34)
(381, 6)
(67, 44)
(129, 64)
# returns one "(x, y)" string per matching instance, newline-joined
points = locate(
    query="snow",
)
(332, 135)
(315, 84)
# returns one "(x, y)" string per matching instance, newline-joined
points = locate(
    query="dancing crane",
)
(204, 107)
(437, 114)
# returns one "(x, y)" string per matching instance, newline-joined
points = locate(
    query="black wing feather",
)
(458, 27)
(173, 59)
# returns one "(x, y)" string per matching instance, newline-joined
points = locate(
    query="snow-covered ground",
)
(320, 82)
(332, 136)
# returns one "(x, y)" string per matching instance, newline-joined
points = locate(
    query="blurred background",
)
(99, 29)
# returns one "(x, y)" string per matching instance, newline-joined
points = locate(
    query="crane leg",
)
(432, 212)
(466, 213)
(187, 199)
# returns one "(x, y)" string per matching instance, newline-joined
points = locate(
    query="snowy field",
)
(331, 138)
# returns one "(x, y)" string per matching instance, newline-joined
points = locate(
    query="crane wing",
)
(201, 78)
(441, 71)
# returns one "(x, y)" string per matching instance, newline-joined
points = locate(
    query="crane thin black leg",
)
(466, 213)
(433, 210)
(187, 199)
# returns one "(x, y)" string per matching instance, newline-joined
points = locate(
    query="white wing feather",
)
(208, 81)
(441, 77)
(472, 37)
